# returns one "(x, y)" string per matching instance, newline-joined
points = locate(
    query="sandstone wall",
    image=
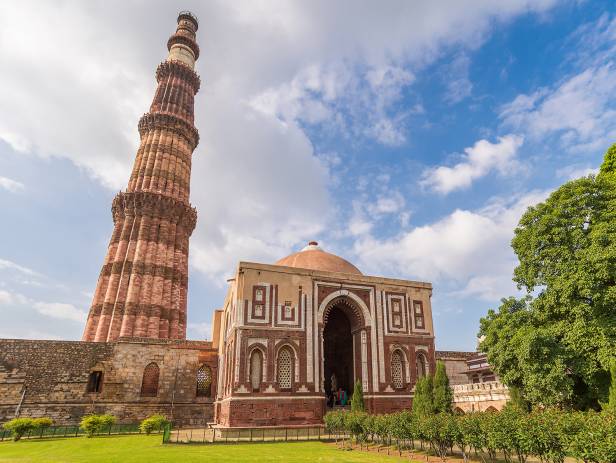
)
(54, 376)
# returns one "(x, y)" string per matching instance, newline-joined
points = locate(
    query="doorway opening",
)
(338, 353)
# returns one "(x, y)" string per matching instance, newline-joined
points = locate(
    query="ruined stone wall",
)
(54, 375)
(455, 365)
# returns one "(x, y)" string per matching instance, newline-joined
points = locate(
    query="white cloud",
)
(11, 185)
(199, 331)
(576, 171)
(478, 160)
(5, 297)
(72, 89)
(60, 310)
(9, 265)
(457, 81)
(469, 248)
(581, 110)
(57, 310)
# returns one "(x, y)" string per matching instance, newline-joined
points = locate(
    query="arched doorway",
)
(344, 344)
(338, 351)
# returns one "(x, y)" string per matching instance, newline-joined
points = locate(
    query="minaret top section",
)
(182, 45)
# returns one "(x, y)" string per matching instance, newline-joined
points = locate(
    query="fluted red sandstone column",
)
(142, 287)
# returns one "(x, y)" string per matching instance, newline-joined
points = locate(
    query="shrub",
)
(334, 422)
(355, 424)
(357, 401)
(152, 423)
(93, 424)
(423, 402)
(441, 431)
(42, 423)
(19, 426)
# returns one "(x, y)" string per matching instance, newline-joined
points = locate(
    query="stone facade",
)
(476, 397)
(52, 378)
(455, 365)
(270, 308)
(286, 337)
(475, 386)
(142, 287)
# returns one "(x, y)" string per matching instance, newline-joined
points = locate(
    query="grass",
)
(129, 449)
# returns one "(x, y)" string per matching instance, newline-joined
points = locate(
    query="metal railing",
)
(262, 434)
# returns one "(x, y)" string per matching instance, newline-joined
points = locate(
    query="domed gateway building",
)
(292, 338)
(296, 335)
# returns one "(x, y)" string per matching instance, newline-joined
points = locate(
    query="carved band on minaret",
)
(143, 284)
(165, 121)
(144, 203)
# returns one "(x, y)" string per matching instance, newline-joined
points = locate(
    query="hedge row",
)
(90, 424)
(548, 435)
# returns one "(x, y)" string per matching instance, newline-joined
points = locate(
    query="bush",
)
(152, 423)
(548, 435)
(357, 401)
(18, 427)
(42, 423)
(93, 424)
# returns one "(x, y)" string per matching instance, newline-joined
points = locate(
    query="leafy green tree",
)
(556, 344)
(423, 401)
(611, 400)
(517, 400)
(441, 392)
(472, 433)
(441, 430)
(357, 401)
(609, 162)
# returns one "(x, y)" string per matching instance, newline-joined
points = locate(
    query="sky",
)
(407, 137)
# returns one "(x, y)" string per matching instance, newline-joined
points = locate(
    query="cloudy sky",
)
(407, 137)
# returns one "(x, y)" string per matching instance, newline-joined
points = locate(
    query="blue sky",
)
(407, 137)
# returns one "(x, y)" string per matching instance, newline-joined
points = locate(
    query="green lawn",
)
(128, 449)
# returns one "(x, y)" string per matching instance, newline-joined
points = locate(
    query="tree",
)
(556, 343)
(442, 393)
(357, 401)
(423, 401)
(610, 406)
(517, 400)
(609, 162)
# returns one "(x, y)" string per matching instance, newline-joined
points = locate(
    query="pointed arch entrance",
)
(344, 341)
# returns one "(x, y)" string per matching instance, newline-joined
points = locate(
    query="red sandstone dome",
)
(314, 258)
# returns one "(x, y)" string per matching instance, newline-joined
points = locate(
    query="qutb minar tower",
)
(142, 287)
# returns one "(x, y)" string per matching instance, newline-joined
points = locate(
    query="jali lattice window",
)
(149, 384)
(204, 381)
(285, 369)
(396, 370)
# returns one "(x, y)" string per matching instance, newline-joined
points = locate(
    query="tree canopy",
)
(556, 343)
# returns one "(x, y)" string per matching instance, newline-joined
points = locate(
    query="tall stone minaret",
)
(142, 287)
